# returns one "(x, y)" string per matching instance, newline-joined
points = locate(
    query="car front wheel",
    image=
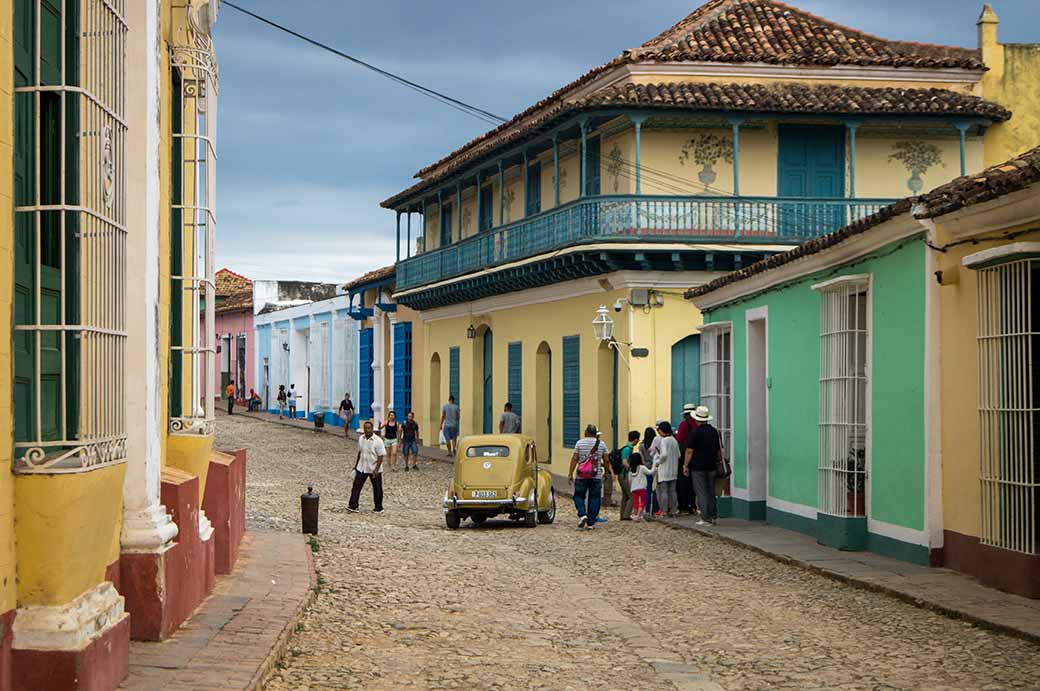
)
(549, 515)
(452, 519)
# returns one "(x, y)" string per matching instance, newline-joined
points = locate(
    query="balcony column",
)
(458, 203)
(501, 193)
(556, 168)
(398, 236)
(962, 128)
(424, 224)
(852, 125)
(584, 124)
(637, 123)
(408, 244)
(440, 217)
(735, 124)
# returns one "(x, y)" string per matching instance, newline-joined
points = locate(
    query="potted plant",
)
(856, 482)
(706, 150)
(917, 157)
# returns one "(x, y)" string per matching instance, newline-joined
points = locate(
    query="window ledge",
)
(1004, 254)
(842, 281)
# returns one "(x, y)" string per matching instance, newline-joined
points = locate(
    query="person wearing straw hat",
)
(684, 484)
(702, 454)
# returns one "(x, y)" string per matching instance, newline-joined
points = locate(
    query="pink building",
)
(234, 329)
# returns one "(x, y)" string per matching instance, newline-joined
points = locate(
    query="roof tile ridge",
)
(233, 273)
(704, 13)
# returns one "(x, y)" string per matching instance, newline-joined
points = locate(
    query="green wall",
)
(897, 384)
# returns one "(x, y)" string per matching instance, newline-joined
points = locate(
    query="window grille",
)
(319, 349)
(716, 377)
(1009, 404)
(70, 234)
(844, 379)
(194, 228)
(343, 357)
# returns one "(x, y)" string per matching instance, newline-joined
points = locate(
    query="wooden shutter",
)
(571, 390)
(365, 375)
(534, 188)
(453, 372)
(515, 376)
(402, 368)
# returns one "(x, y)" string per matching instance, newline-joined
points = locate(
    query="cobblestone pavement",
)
(405, 604)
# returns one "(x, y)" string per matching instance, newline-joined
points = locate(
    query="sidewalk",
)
(940, 590)
(234, 639)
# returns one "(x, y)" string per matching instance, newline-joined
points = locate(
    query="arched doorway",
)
(686, 375)
(543, 402)
(487, 396)
(435, 392)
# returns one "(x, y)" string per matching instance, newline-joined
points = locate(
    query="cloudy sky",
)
(309, 144)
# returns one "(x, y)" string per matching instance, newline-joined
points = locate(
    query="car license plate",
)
(485, 494)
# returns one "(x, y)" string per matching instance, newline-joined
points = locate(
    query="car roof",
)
(513, 441)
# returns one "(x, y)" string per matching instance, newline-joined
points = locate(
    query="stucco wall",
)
(235, 323)
(1013, 81)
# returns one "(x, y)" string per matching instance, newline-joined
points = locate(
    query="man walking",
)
(588, 457)
(346, 413)
(510, 421)
(668, 460)
(684, 483)
(292, 401)
(622, 473)
(702, 454)
(369, 465)
(450, 416)
(229, 391)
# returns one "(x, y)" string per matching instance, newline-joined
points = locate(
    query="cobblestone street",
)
(404, 603)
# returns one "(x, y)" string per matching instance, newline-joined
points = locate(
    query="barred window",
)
(193, 230)
(69, 234)
(1009, 404)
(716, 377)
(844, 379)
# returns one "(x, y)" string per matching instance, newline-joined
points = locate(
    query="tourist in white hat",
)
(702, 454)
(684, 483)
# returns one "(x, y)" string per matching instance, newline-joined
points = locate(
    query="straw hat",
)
(702, 414)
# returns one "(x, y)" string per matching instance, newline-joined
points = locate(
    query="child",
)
(638, 477)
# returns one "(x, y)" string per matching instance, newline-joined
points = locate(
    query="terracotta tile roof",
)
(234, 292)
(729, 97)
(995, 181)
(234, 302)
(371, 277)
(741, 31)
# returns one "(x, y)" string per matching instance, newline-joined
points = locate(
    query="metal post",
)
(501, 193)
(962, 127)
(398, 236)
(440, 217)
(852, 125)
(556, 168)
(524, 180)
(637, 122)
(408, 244)
(479, 229)
(424, 224)
(584, 124)
(458, 212)
(735, 123)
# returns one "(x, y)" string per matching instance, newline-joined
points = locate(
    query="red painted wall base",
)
(101, 666)
(6, 622)
(225, 505)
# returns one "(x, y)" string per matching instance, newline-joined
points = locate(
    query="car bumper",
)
(515, 503)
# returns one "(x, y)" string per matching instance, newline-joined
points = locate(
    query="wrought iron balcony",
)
(628, 218)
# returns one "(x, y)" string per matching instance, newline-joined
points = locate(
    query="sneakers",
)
(377, 511)
(601, 519)
(703, 523)
(351, 510)
(583, 522)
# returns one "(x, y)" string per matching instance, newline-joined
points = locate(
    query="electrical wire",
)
(455, 103)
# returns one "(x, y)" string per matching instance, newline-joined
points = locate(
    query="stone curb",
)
(278, 650)
(862, 584)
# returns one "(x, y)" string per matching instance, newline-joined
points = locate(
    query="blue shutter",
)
(402, 368)
(453, 372)
(515, 376)
(534, 189)
(365, 379)
(486, 209)
(592, 164)
(445, 225)
(571, 390)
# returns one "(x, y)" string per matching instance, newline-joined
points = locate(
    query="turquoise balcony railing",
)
(621, 218)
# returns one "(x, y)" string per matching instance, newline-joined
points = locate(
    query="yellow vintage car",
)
(498, 474)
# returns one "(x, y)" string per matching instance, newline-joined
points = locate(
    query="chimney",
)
(987, 24)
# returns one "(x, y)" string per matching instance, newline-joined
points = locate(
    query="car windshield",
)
(487, 452)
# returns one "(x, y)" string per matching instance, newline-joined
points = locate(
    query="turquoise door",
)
(686, 375)
(811, 164)
(489, 412)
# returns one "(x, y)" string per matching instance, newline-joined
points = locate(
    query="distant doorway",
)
(435, 392)
(686, 375)
(543, 401)
(487, 364)
(757, 407)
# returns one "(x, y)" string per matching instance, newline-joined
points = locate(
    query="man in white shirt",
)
(369, 464)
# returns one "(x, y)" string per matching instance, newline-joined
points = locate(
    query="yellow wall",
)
(639, 405)
(1013, 81)
(67, 532)
(7, 536)
(960, 393)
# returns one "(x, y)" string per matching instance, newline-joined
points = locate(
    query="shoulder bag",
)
(588, 468)
(722, 467)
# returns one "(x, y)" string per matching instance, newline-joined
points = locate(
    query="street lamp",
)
(471, 333)
(603, 325)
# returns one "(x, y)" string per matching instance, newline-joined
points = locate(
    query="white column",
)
(392, 318)
(146, 525)
(378, 358)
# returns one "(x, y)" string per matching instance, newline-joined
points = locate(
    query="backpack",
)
(617, 462)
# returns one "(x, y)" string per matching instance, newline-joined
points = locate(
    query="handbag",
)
(723, 469)
(587, 469)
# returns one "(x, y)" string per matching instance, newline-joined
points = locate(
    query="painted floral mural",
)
(706, 150)
(509, 197)
(615, 163)
(917, 157)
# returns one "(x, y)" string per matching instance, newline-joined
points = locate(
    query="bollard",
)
(309, 511)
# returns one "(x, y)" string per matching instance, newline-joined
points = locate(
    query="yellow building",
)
(696, 153)
(102, 396)
(986, 231)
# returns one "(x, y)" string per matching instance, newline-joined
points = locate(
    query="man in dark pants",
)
(684, 483)
(703, 452)
(369, 464)
(229, 391)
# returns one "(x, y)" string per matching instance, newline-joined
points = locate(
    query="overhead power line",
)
(455, 103)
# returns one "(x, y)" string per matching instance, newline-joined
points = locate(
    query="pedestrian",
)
(509, 423)
(292, 401)
(684, 483)
(282, 396)
(450, 417)
(587, 459)
(639, 478)
(369, 466)
(254, 400)
(229, 391)
(410, 440)
(666, 457)
(346, 412)
(388, 431)
(649, 437)
(702, 455)
(619, 464)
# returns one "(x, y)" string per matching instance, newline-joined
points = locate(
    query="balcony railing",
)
(763, 220)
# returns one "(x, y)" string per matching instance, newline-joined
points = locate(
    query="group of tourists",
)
(661, 472)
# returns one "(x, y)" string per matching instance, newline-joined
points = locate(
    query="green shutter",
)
(515, 376)
(176, 253)
(571, 390)
(453, 372)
